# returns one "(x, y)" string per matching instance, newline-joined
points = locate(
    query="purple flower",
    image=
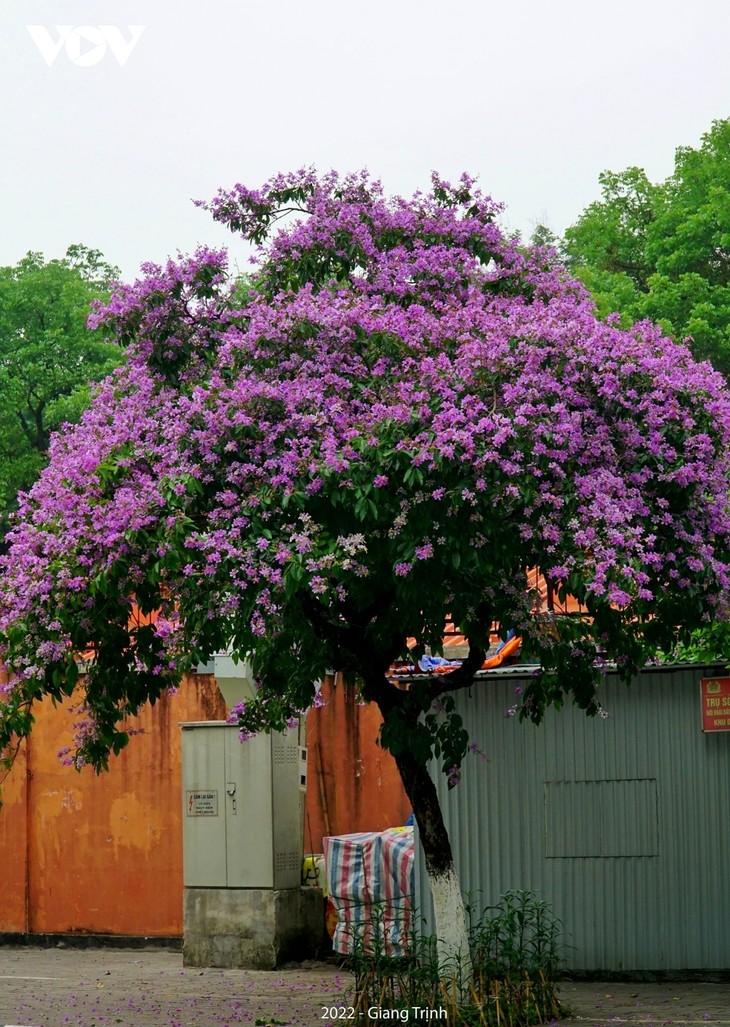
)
(227, 471)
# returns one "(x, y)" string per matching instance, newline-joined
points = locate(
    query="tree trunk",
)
(452, 940)
(448, 902)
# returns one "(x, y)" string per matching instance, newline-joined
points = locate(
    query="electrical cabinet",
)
(242, 808)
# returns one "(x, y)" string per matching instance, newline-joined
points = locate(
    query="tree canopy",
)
(48, 357)
(662, 251)
(401, 415)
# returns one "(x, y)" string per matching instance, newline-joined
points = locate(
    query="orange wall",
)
(13, 847)
(352, 784)
(104, 854)
(99, 854)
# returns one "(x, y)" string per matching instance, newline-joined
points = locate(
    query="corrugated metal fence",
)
(622, 824)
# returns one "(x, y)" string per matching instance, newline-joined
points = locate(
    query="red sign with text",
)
(715, 704)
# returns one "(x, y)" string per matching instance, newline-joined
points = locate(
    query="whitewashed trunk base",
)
(450, 916)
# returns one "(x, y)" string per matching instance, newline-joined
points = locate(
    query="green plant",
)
(516, 954)
(519, 934)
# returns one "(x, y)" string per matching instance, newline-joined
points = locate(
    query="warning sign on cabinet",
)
(202, 804)
(716, 704)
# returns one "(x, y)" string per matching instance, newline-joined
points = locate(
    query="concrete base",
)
(251, 928)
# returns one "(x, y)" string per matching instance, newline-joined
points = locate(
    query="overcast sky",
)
(107, 144)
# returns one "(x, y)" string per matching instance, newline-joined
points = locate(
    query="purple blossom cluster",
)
(392, 419)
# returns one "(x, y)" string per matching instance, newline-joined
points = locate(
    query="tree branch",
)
(460, 677)
(351, 639)
(351, 648)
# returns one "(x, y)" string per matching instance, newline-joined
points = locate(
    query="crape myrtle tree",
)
(396, 417)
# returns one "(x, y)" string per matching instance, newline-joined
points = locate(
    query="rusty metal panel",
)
(622, 823)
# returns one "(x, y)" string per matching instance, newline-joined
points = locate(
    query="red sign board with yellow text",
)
(715, 704)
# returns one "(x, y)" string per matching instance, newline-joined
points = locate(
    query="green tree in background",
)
(662, 251)
(48, 357)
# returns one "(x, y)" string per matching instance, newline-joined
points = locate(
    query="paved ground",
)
(151, 988)
(605, 1004)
